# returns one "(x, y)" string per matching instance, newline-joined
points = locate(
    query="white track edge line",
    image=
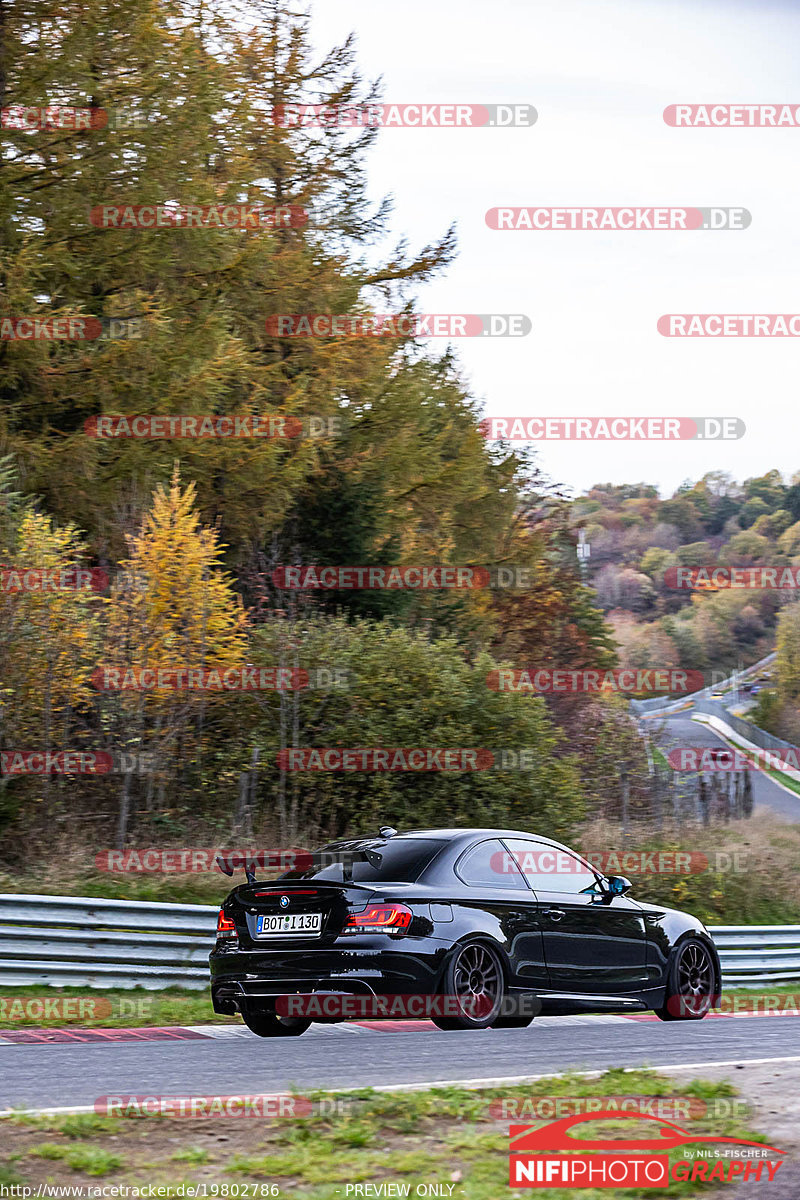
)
(467, 1084)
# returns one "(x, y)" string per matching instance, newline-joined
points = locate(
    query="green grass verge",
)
(140, 1009)
(444, 1136)
(107, 1008)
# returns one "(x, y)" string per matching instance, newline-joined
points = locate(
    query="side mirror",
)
(618, 885)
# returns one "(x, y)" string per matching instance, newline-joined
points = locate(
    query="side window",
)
(489, 865)
(550, 869)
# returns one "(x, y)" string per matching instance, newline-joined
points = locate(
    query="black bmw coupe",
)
(471, 928)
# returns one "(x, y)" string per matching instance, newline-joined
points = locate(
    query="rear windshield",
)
(400, 860)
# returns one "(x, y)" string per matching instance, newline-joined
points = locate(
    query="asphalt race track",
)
(233, 1061)
(55, 1069)
(680, 730)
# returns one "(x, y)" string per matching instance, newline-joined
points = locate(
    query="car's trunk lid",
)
(296, 911)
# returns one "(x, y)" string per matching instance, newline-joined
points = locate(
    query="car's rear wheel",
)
(474, 983)
(690, 983)
(512, 1023)
(269, 1024)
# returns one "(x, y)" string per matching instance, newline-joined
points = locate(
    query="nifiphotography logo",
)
(629, 1162)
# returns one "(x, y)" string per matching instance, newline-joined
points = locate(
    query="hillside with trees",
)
(189, 532)
(637, 540)
(392, 468)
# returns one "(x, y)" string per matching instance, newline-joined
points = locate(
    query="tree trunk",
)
(704, 814)
(124, 811)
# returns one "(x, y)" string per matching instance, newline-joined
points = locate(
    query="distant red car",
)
(718, 754)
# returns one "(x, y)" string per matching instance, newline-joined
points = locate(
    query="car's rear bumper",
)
(256, 978)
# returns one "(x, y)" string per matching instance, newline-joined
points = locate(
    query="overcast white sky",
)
(600, 73)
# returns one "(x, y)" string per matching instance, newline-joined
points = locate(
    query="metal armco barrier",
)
(754, 955)
(746, 729)
(66, 941)
(79, 942)
(659, 704)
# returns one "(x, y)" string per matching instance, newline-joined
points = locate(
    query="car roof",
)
(452, 835)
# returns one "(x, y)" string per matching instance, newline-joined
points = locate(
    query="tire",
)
(268, 1024)
(474, 975)
(512, 1023)
(446, 1023)
(691, 983)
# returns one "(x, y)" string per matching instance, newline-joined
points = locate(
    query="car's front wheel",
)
(690, 983)
(269, 1024)
(473, 986)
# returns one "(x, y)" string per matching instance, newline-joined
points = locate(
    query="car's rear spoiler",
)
(228, 863)
(252, 860)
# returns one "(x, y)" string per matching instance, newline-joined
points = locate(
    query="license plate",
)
(294, 924)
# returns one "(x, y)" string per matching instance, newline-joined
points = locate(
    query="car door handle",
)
(555, 914)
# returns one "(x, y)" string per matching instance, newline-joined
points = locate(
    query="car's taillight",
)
(225, 926)
(380, 918)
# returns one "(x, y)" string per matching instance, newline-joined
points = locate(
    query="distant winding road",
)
(681, 730)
